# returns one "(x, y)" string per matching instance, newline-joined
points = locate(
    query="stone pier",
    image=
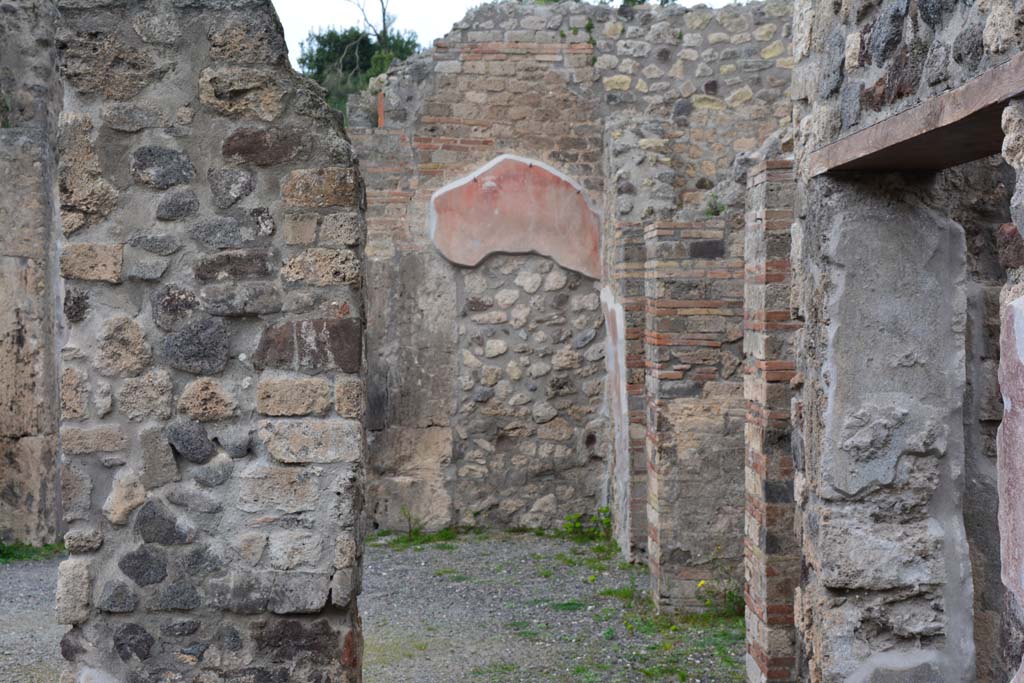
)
(211, 362)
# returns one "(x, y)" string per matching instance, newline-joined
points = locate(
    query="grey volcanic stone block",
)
(162, 245)
(181, 595)
(177, 204)
(133, 641)
(154, 523)
(118, 598)
(244, 299)
(190, 440)
(229, 185)
(147, 565)
(200, 347)
(172, 305)
(161, 167)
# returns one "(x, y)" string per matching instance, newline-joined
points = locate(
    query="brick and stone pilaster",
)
(693, 333)
(771, 548)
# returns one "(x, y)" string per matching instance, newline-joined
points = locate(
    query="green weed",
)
(19, 552)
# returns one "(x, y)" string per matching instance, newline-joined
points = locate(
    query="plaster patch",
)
(516, 205)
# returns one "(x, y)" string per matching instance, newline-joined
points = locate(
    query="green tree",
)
(344, 61)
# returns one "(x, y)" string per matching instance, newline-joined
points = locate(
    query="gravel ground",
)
(29, 636)
(512, 608)
(482, 608)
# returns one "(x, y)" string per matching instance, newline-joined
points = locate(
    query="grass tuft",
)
(20, 552)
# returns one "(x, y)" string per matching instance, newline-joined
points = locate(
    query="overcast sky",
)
(430, 19)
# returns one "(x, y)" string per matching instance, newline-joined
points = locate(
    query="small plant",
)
(595, 528)
(722, 594)
(5, 111)
(417, 539)
(413, 524)
(572, 605)
(20, 552)
(714, 207)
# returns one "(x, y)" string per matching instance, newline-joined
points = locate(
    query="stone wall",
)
(882, 437)
(460, 436)
(211, 388)
(857, 64)
(979, 199)
(530, 443)
(862, 61)
(646, 109)
(29, 102)
(1011, 384)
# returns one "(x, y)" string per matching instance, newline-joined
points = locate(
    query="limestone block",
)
(349, 397)
(242, 91)
(83, 441)
(76, 492)
(126, 494)
(323, 267)
(206, 400)
(285, 489)
(103, 64)
(293, 397)
(147, 396)
(74, 587)
(158, 464)
(292, 549)
(251, 39)
(312, 441)
(322, 188)
(95, 262)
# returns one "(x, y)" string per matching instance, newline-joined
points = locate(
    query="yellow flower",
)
(701, 583)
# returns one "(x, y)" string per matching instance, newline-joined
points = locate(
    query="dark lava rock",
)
(172, 305)
(117, 597)
(178, 596)
(131, 640)
(71, 647)
(214, 474)
(161, 167)
(286, 639)
(265, 146)
(229, 185)
(145, 566)
(887, 32)
(156, 524)
(163, 245)
(199, 347)
(239, 300)
(176, 205)
(243, 264)
(76, 305)
(178, 629)
(189, 439)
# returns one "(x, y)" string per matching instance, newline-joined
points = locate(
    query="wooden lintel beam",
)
(958, 126)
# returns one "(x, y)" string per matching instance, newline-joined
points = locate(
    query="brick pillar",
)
(771, 548)
(1010, 439)
(212, 388)
(630, 475)
(693, 333)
